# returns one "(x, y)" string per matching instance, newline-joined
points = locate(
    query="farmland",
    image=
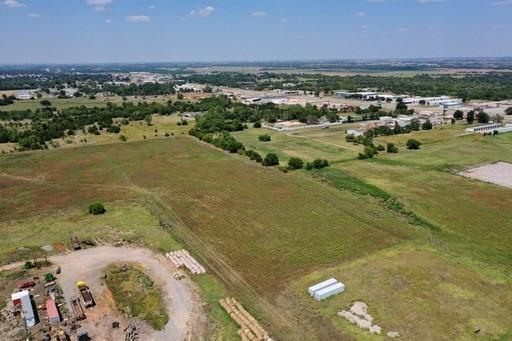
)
(267, 235)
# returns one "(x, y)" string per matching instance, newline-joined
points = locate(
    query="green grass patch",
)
(136, 295)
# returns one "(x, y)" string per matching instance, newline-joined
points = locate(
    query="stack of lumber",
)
(182, 258)
(250, 329)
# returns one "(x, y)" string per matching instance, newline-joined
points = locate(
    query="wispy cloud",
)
(203, 11)
(99, 5)
(109, 21)
(360, 14)
(259, 14)
(13, 4)
(502, 2)
(403, 30)
(33, 15)
(284, 20)
(138, 18)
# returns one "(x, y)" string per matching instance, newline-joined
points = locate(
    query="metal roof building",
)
(23, 298)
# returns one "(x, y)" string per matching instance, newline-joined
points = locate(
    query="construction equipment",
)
(49, 277)
(85, 293)
(76, 308)
(75, 244)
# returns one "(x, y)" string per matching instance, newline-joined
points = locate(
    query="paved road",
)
(184, 307)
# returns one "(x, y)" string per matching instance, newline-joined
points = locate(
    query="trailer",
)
(76, 308)
(84, 291)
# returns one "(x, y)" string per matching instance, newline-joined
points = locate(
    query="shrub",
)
(380, 148)
(508, 111)
(97, 208)
(271, 160)
(264, 138)
(427, 125)
(319, 163)
(482, 117)
(413, 144)
(45, 103)
(257, 124)
(391, 148)
(295, 163)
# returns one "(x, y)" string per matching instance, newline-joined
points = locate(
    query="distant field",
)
(63, 103)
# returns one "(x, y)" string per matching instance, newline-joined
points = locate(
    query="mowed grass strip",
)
(136, 295)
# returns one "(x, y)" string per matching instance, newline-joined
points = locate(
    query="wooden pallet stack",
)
(250, 329)
(182, 258)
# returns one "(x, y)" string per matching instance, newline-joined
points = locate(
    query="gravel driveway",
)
(186, 316)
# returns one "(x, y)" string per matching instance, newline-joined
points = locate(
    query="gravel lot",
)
(186, 314)
(499, 173)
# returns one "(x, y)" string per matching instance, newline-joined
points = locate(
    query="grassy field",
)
(135, 294)
(267, 235)
(260, 233)
(417, 291)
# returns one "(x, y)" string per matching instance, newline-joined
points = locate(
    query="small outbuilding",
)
(53, 312)
(22, 299)
(329, 291)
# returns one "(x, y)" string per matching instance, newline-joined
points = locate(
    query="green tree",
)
(427, 125)
(271, 160)
(482, 117)
(458, 115)
(470, 117)
(413, 144)
(415, 124)
(295, 163)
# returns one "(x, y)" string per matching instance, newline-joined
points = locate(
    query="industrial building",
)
(25, 94)
(23, 300)
(490, 128)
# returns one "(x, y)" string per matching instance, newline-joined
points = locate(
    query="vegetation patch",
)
(136, 295)
(344, 181)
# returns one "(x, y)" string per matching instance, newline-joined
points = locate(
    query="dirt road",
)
(186, 317)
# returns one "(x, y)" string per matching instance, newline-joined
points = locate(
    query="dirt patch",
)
(499, 173)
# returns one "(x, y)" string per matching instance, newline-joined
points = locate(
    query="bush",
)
(482, 117)
(257, 124)
(391, 148)
(271, 160)
(381, 148)
(45, 103)
(508, 111)
(319, 164)
(413, 144)
(264, 138)
(97, 208)
(253, 155)
(427, 125)
(295, 163)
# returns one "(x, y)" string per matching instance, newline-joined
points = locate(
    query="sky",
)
(101, 31)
